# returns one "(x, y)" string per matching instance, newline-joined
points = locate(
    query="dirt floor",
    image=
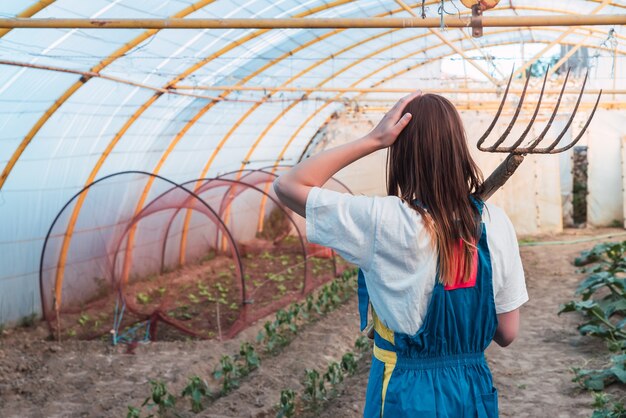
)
(40, 378)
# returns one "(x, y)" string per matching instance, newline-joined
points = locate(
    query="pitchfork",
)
(516, 152)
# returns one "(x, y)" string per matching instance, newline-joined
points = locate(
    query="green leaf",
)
(619, 373)
(594, 383)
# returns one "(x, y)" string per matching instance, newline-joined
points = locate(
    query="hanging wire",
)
(441, 10)
(611, 43)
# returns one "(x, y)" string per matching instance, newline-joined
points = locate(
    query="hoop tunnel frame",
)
(57, 307)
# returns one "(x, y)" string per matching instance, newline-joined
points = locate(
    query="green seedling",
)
(83, 319)
(605, 407)
(143, 298)
(314, 388)
(249, 356)
(266, 255)
(228, 371)
(310, 303)
(133, 412)
(282, 289)
(349, 364)
(334, 374)
(362, 344)
(197, 390)
(287, 404)
(160, 397)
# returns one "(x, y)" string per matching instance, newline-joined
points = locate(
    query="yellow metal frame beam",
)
(107, 61)
(219, 146)
(316, 23)
(291, 106)
(478, 90)
(28, 12)
(120, 52)
(445, 40)
(80, 201)
(143, 107)
(408, 69)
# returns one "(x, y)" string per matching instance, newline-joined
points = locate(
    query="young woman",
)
(442, 268)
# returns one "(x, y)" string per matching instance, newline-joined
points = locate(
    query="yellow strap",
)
(389, 358)
(386, 356)
(381, 329)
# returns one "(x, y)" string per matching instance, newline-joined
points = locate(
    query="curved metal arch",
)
(29, 12)
(141, 110)
(292, 105)
(410, 68)
(120, 52)
(130, 304)
(123, 50)
(202, 111)
(155, 97)
(247, 185)
(58, 284)
(287, 109)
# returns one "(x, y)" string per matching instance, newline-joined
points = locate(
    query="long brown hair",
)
(430, 167)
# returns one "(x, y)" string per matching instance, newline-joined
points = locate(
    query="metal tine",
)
(580, 135)
(495, 119)
(507, 131)
(536, 142)
(517, 143)
(569, 122)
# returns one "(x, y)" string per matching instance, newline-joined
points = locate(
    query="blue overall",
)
(441, 370)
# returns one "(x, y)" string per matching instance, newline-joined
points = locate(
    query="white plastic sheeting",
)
(105, 127)
(538, 195)
(606, 195)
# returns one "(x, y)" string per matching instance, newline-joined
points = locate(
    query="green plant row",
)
(320, 386)
(603, 306)
(274, 336)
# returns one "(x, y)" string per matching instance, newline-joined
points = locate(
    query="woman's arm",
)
(508, 327)
(293, 187)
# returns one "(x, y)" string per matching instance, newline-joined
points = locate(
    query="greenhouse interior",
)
(148, 266)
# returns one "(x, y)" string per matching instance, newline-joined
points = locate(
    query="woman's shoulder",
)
(499, 227)
(493, 214)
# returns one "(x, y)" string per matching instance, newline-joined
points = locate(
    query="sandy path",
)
(92, 379)
(533, 374)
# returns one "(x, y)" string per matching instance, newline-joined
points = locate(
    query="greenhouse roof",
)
(78, 104)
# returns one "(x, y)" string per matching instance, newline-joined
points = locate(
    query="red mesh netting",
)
(206, 258)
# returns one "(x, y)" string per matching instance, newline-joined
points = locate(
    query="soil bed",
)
(533, 375)
(40, 378)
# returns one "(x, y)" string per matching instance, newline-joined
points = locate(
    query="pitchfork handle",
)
(500, 175)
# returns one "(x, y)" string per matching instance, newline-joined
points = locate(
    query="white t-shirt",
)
(387, 239)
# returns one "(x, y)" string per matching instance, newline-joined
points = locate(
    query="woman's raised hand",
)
(293, 187)
(388, 129)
